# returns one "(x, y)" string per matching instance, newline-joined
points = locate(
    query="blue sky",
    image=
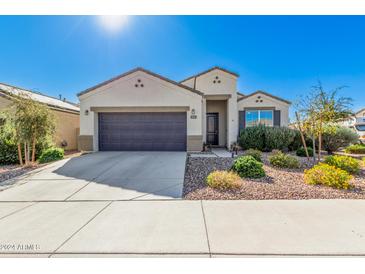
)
(283, 55)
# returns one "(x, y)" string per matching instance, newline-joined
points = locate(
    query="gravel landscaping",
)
(10, 171)
(277, 184)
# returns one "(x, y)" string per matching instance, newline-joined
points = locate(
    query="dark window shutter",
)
(277, 119)
(241, 121)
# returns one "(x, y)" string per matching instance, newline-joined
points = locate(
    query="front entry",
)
(212, 128)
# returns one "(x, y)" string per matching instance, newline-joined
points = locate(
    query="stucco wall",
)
(205, 83)
(268, 102)
(227, 86)
(3, 103)
(154, 93)
(67, 126)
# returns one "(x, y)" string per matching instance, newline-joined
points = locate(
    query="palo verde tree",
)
(322, 107)
(30, 123)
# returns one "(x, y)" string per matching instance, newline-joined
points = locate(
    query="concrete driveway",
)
(105, 176)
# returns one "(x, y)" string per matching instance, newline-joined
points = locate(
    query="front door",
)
(212, 129)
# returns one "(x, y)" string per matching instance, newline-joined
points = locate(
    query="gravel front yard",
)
(11, 171)
(278, 183)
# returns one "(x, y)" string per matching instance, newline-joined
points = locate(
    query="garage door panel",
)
(156, 131)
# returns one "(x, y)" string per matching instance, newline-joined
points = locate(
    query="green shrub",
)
(252, 137)
(282, 160)
(248, 167)
(335, 137)
(297, 141)
(257, 154)
(301, 152)
(278, 138)
(266, 138)
(9, 149)
(323, 174)
(346, 163)
(51, 154)
(8, 152)
(223, 180)
(356, 149)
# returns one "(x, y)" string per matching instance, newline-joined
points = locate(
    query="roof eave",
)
(209, 70)
(145, 71)
(267, 94)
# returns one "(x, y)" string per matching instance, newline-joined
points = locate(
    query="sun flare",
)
(113, 23)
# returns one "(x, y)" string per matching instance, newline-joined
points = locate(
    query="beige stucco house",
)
(67, 114)
(356, 122)
(141, 110)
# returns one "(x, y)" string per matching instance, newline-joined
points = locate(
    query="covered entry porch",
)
(216, 120)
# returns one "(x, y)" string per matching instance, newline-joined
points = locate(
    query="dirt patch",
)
(277, 184)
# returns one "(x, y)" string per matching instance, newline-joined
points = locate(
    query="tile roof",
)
(50, 101)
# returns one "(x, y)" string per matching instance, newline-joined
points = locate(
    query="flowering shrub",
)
(324, 174)
(346, 163)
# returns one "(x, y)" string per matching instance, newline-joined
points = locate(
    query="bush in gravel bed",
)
(257, 154)
(51, 154)
(223, 180)
(301, 152)
(278, 138)
(356, 149)
(282, 160)
(346, 163)
(335, 137)
(323, 174)
(248, 167)
(266, 138)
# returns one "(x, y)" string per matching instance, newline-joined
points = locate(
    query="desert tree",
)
(321, 107)
(30, 122)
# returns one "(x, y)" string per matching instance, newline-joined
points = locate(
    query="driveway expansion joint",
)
(206, 228)
(18, 210)
(78, 230)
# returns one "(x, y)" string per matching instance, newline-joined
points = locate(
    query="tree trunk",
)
(25, 154)
(33, 150)
(20, 157)
(314, 147)
(28, 152)
(302, 136)
(320, 139)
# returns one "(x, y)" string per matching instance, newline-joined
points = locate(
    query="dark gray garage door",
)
(144, 131)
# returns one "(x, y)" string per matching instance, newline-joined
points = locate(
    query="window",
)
(360, 127)
(255, 117)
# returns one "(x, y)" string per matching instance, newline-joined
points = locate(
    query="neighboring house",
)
(67, 114)
(357, 123)
(141, 110)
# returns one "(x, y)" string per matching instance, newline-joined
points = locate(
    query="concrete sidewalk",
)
(176, 228)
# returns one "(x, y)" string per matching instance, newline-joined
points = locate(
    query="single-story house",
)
(142, 110)
(67, 114)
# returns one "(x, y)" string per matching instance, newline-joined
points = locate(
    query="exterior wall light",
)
(86, 112)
